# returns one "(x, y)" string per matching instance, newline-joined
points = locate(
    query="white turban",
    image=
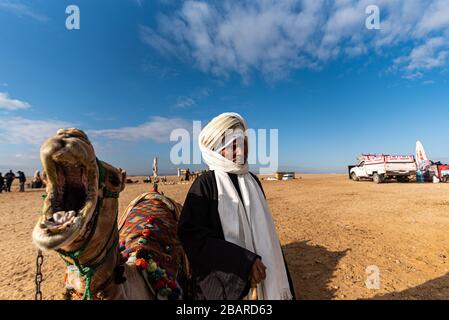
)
(231, 126)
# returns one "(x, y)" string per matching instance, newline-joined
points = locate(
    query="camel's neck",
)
(100, 256)
(102, 253)
(134, 288)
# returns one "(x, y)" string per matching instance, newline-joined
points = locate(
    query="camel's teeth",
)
(71, 214)
(67, 223)
(59, 217)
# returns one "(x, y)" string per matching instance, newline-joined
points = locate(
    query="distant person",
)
(187, 178)
(37, 182)
(2, 182)
(22, 180)
(9, 178)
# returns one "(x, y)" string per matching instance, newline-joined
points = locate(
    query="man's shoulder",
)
(254, 175)
(205, 178)
(258, 182)
(204, 184)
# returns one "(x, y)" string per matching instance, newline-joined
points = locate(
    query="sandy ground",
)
(331, 230)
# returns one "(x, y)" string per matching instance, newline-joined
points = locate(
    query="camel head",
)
(72, 174)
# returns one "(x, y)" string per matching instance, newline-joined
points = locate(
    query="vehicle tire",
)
(354, 177)
(378, 178)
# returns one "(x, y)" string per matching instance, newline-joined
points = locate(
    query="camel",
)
(107, 257)
(37, 182)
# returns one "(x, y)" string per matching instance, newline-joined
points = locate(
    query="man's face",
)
(237, 152)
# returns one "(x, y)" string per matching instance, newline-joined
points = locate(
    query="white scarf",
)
(248, 224)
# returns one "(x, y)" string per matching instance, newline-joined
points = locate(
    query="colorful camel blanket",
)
(148, 239)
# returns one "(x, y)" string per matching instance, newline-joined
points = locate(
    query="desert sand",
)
(331, 230)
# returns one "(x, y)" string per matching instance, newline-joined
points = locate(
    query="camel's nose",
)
(72, 133)
(60, 150)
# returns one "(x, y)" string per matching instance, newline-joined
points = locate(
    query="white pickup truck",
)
(380, 167)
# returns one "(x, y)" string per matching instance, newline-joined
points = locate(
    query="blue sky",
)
(311, 69)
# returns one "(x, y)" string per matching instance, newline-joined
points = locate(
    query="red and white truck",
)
(381, 167)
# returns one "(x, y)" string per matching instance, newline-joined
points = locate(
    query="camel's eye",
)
(114, 180)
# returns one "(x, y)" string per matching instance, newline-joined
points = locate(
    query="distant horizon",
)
(343, 170)
(174, 173)
(296, 172)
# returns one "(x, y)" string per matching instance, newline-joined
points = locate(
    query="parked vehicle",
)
(428, 170)
(380, 167)
(436, 170)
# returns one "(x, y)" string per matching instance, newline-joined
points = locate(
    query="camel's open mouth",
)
(72, 190)
(69, 197)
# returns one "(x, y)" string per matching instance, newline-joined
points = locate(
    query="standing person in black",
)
(22, 180)
(226, 228)
(2, 182)
(9, 177)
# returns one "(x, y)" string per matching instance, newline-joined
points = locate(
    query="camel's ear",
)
(123, 173)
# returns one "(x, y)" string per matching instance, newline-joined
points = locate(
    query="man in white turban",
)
(226, 227)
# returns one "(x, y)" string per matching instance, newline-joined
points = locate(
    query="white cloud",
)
(413, 75)
(155, 40)
(162, 71)
(184, 102)
(17, 130)
(21, 156)
(158, 129)
(428, 82)
(435, 17)
(12, 104)
(21, 10)
(191, 100)
(274, 37)
(429, 55)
